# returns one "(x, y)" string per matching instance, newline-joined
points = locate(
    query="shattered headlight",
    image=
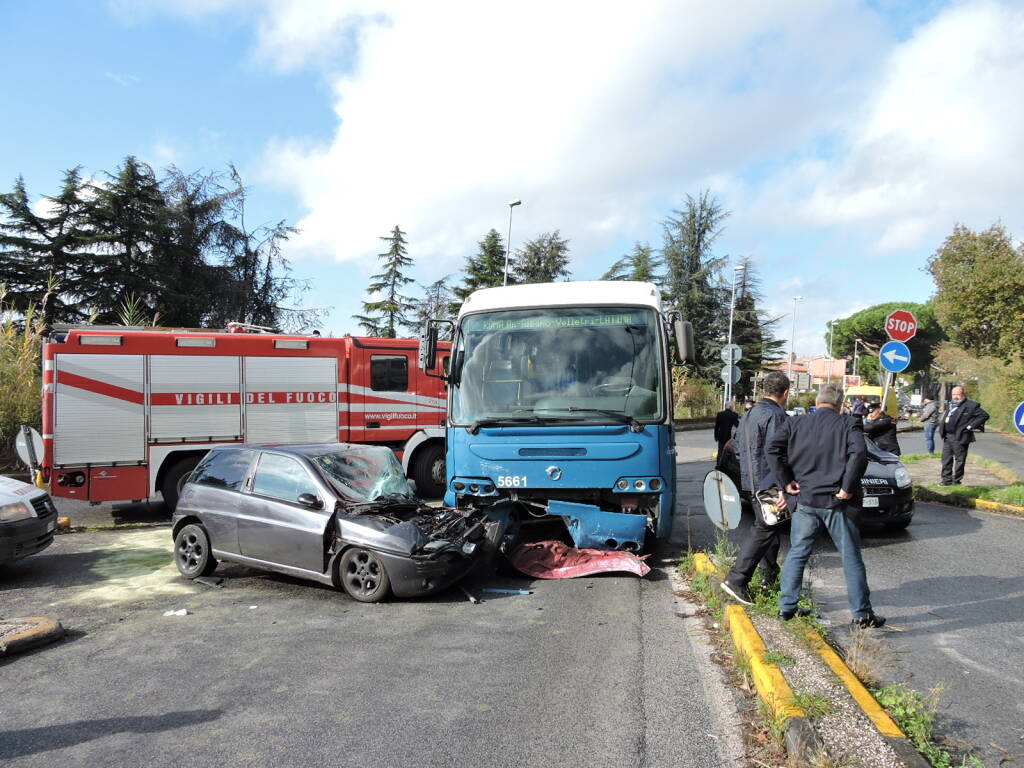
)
(16, 511)
(902, 477)
(469, 547)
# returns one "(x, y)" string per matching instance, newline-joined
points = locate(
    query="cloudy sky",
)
(845, 138)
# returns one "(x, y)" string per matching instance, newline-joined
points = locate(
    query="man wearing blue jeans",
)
(821, 458)
(930, 419)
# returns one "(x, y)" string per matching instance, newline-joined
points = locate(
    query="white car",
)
(28, 520)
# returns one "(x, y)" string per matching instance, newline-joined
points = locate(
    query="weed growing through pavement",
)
(774, 722)
(779, 659)
(915, 714)
(823, 759)
(864, 655)
(814, 705)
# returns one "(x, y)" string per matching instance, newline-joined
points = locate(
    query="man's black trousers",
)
(761, 543)
(954, 456)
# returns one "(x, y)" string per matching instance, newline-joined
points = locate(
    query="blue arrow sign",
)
(1018, 418)
(894, 356)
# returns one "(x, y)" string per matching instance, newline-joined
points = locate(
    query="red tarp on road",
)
(554, 560)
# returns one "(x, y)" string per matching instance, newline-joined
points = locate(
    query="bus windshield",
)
(595, 365)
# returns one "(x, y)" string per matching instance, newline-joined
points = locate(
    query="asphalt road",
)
(267, 670)
(952, 589)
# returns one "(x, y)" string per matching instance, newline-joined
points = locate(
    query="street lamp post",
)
(831, 326)
(736, 271)
(856, 342)
(508, 242)
(791, 338)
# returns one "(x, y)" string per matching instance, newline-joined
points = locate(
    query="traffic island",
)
(812, 699)
(21, 634)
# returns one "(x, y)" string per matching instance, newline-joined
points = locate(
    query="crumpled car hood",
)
(408, 530)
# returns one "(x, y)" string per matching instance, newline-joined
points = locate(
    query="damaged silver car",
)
(338, 514)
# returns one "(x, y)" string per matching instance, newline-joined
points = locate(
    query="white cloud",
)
(940, 137)
(600, 120)
(123, 79)
(809, 119)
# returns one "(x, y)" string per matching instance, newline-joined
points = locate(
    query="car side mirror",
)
(311, 501)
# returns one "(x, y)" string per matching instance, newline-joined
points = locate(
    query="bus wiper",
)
(624, 418)
(498, 420)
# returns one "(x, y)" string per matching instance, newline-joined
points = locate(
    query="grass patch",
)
(814, 705)
(915, 714)
(1011, 494)
(779, 659)
(914, 458)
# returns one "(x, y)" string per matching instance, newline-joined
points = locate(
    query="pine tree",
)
(43, 256)
(437, 303)
(128, 213)
(385, 316)
(486, 269)
(544, 259)
(695, 287)
(753, 330)
(641, 265)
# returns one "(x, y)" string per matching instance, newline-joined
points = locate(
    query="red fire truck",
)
(128, 412)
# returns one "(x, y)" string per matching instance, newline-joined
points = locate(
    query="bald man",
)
(962, 419)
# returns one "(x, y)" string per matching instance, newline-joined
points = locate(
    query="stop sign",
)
(901, 325)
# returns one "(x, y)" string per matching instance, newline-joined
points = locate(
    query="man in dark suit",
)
(821, 457)
(962, 419)
(725, 422)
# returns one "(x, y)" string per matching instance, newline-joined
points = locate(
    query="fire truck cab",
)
(128, 412)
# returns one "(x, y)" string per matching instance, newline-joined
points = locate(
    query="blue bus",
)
(560, 399)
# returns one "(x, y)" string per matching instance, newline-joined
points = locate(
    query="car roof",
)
(318, 449)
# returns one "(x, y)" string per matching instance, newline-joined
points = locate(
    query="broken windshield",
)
(369, 473)
(587, 364)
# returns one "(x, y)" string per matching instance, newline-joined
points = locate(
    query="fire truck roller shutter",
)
(291, 400)
(99, 413)
(195, 397)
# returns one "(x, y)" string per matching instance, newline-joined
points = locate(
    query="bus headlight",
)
(622, 485)
(639, 485)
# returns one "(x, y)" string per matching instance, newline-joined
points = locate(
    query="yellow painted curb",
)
(997, 506)
(768, 679)
(702, 563)
(885, 724)
(42, 630)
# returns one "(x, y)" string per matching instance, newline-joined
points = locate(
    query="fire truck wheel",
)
(175, 479)
(429, 472)
(192, 552)
(363, 576)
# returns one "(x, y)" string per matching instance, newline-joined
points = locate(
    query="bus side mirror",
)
(428, 347)
(683, 332)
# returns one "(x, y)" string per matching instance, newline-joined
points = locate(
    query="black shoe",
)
(736, 592)
(787, 615)
(869, 622)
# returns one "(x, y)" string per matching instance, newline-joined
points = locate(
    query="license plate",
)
(51, 526)
(870, 501)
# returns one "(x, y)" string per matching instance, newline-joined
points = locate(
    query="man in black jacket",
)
(822, 457)
(725, 422)
(762, 541)
(962, 419)
(881, 428)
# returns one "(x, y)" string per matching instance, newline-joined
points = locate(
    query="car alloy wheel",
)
(363, 575)
(192, 552)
